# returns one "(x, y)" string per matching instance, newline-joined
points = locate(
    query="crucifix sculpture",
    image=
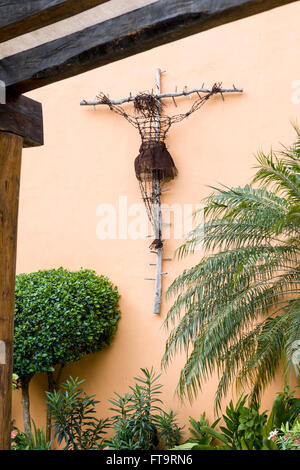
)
(154, 165)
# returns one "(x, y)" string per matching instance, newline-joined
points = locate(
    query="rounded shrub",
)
(60, 316)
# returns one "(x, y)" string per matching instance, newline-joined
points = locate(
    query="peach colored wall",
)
(88, 159)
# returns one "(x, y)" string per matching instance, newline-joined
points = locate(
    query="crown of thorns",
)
(146, 104)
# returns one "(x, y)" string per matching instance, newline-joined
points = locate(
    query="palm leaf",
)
(237, 310)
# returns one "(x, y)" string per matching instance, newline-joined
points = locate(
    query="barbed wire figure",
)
(154, 165)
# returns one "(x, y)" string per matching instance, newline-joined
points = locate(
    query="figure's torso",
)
(152, 132)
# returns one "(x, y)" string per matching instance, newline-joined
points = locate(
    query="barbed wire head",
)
(146, 104)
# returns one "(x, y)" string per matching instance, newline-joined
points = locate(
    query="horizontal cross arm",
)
(162, 95)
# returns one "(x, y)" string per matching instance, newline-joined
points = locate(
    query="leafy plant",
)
(36, 441)
(232, 422)
(286, 407)
(72, 411)
(251, 428)
(290, 437)
(237, 310)
(19, 440)
(60, 316)
(140, 422)
(169, 432)
(285, 411)
(200, 439)
(197, 432)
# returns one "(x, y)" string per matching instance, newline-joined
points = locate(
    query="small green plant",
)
(285, 407)
(200, 439)
(169, 432)
(140, 422)
(250, 429)
(290, 437)
(72, 412)
(36, 441)
(19, 440)
(198, 434)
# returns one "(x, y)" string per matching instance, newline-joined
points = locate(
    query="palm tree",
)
(237, 312)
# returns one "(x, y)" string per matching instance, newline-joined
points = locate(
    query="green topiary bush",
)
(60, 316)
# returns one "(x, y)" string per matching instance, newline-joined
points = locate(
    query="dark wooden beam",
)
(23, 117)
(10, 165)
(123, 36)
(22, 16)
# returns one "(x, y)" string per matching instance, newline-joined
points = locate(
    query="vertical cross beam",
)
(20, 126)
(158, 216)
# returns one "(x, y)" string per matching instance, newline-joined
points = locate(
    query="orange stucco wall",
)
(87, 160)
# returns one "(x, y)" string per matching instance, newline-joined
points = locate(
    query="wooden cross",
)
(160, 131)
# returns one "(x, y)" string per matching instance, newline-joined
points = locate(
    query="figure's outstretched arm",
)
(117, 109)
(197, 104)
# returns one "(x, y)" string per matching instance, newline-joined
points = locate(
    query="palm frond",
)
(236, 312)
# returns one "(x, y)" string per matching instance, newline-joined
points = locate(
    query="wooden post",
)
(10, 165)
(21, 125)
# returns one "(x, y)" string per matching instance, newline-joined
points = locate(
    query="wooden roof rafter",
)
(23, 16)
(144, 28)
